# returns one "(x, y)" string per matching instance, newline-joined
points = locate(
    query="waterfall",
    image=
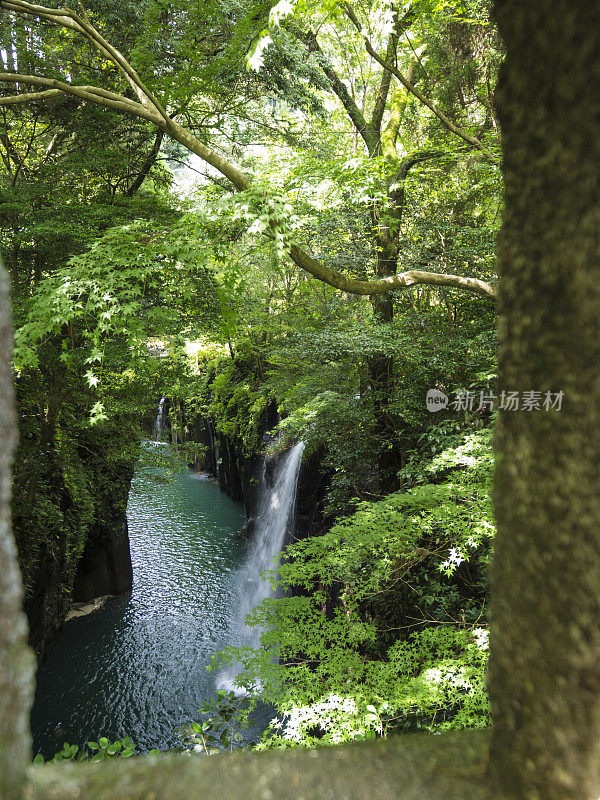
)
(159, 424)
(276, 510)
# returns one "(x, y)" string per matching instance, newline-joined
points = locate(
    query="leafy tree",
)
(149, 107)
(379, 628)
(383, 168)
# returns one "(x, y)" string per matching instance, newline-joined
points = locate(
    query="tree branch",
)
(149, 161)
(384, 87)
(91, 93)
(389, 135)
(29, 97)
(397, 184)
(388, 284)
(413, 90)
(235, 176)
(309, 39)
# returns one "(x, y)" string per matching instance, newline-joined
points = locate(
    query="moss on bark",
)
(545, 668)
(414, 767)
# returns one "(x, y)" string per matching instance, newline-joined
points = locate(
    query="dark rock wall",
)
(313, 483)
(239, 475)
(237, 472)
(105, 565)
(71, 484)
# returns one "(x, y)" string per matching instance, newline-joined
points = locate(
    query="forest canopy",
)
(306, 197)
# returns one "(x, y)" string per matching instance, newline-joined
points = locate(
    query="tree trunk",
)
(16, 661)
(544, 673)
(381, 374)
(381, 377)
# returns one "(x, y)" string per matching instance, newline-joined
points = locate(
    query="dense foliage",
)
(128, 285)
(380, 626)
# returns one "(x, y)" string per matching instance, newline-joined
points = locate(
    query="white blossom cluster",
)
(323, 714)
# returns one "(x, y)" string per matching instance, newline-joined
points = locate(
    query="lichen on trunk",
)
(544, 673)
(16, 661)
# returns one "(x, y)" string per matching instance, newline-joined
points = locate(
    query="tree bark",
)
(381, 374)
(16, 661)
(544, 675)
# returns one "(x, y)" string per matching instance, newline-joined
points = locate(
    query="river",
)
(138, 666)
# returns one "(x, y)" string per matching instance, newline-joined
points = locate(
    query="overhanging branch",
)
(158, 116)
(91, 93)
(401, 281)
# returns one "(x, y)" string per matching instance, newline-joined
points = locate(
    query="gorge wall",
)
(238, 470)
(71, 483)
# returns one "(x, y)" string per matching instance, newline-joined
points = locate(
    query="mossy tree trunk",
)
(544, 674)
(16, 660)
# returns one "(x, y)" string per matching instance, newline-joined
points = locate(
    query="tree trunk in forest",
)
(16, 661)
(544, 672)
(381, 379)
(381, 372)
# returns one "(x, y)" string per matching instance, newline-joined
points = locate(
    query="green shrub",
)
(381, 624)
(93, 751)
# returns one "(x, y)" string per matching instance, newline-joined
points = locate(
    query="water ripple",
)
(137, 667)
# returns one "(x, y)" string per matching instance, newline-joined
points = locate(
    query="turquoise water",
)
(137, 667)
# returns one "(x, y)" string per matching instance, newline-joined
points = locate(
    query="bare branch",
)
(62, 86)
(29, 97)
(388, 284)
(91, 93)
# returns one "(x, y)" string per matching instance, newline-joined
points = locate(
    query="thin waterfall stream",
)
(160, 424)
(137, 667)
(275, 515)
